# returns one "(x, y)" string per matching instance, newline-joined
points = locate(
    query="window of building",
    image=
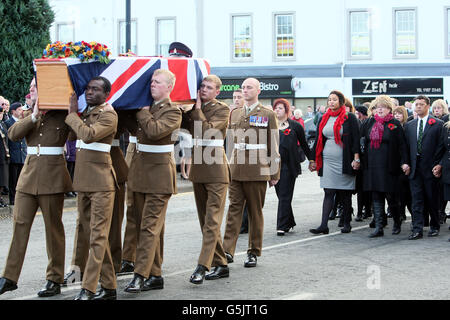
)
(122, 36)
(166, 34)
(359, 27)
(284, 36)
(242, 38)
(447, 33)
(65, 32)
(405, 33)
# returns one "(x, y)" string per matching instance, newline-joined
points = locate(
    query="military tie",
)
(247, 111)
(420, 138)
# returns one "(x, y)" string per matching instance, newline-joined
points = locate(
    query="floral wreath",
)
(82, 50)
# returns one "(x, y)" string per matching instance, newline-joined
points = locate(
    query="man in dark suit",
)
(17, 150)
(426, 149)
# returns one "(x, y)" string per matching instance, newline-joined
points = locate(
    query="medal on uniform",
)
(253, 121)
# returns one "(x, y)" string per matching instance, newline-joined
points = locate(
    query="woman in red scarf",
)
(385, 158)
(336, 154)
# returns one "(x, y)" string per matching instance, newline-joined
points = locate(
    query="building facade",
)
(300, 50)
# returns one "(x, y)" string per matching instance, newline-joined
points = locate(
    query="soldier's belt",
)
(207, 143)
(115, 143)
(45, 151)
(133, 139)
(154, 148)
(246, 146)
(96, 146)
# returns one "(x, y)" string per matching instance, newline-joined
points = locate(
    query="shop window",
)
(242, 38)
(284, 36)
(359, 32)
(405, 24)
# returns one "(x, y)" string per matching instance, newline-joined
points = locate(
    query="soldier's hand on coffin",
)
(73, 107)
(185, 107)
(198, 103)
(36, 111)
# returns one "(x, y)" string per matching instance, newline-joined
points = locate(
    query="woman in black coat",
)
(384, 159)
(4, 159)
(291, 134)
(336, 158)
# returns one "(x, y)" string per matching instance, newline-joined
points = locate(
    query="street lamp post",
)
(128, 26)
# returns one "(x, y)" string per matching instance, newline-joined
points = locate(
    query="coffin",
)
(130, 77)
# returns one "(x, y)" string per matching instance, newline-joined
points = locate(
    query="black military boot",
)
(378, 218)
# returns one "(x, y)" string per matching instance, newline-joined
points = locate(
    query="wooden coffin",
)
(53, 83)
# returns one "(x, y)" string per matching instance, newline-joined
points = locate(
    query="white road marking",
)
(302, 296)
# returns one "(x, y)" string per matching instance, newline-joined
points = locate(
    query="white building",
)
(299, 49)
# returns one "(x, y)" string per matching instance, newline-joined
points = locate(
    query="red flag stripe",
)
(181, 90)
(124, 77)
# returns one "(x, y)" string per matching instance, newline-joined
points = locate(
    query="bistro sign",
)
(270, 87)
(414, 86)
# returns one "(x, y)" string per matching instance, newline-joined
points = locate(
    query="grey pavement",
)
(298, 266)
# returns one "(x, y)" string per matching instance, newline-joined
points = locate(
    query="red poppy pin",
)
(392, 126)
(287, 132)
(431, 121)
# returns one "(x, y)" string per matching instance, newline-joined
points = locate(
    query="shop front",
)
(403, 89)
(271, 89)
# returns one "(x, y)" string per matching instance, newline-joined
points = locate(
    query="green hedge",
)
(24, 34)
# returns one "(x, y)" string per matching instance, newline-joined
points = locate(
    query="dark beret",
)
(179, 49)
(15, 106)
(362, 110)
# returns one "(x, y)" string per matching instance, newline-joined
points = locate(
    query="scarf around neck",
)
(376, 135)
(341, 115)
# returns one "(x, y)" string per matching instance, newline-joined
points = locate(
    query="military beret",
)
(179, 49)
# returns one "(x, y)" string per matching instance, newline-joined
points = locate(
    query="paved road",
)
(299, 266)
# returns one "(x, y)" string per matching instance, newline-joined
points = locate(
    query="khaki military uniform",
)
(210, 176)
(131, 231)
(42, 183)
(152, 179)
(254, 162)
(96, 184)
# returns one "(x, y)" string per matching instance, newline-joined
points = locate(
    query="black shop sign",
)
(270, 87)
(397, 87)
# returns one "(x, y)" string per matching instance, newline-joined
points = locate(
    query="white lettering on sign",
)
(375, 86)
(269, 86)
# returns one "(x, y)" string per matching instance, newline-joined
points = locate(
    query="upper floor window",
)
(242, 37)
(405, 33)
(166, 34)
(447, 33)
(284, 36)
(359, 25)
(122, 36)
(65, 32)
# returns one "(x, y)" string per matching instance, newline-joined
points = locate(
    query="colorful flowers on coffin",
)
(85, 51)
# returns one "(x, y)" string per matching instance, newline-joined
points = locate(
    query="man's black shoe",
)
(51, 289)
(229, 257)
(72, 277)
(153, 283)
(320, 230)
(251, 261)
(198, 275)
(396, 230)
(218, 273)
(7, 285)
(84, 295)
(415, 236)
(126, 267)
(105, 294)
(135, 286)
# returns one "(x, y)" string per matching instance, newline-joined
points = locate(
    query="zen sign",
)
(415, 86)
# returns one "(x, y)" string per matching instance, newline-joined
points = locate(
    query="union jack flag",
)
(130, 78)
